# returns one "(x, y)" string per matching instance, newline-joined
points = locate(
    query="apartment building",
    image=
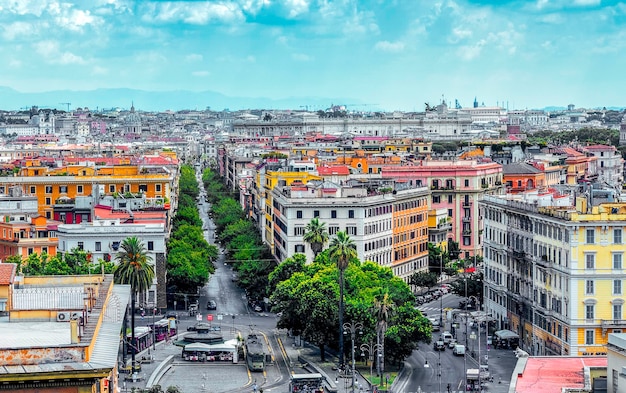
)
(389, 227)
(554, 272)
(610, 164)
(50, 184)
(456, 186)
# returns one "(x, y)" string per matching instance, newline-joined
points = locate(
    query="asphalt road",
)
(427, 370)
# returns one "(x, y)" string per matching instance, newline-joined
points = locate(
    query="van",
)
(459, 350)
(447, 337)
(435, 323)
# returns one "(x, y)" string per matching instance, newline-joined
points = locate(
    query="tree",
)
(474, 286)
(133, 268)
(383, 306)
(286, 269)
(342, 250)
(316, 235)
(423, 279)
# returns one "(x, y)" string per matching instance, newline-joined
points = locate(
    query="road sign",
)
(219, 317)
(198, 317)
(209, 317)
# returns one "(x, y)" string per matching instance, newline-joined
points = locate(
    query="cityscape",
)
(451, 249)
(297, 196)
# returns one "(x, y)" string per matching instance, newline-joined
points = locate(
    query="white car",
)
(459, 350)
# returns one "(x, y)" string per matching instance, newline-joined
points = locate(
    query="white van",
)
(435, 323)
(459, 350)
(447, 337)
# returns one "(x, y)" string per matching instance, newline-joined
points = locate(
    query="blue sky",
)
(397, 54)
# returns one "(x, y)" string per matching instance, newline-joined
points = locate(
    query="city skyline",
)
(383, 55)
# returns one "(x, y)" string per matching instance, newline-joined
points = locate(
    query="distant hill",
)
(11, 99)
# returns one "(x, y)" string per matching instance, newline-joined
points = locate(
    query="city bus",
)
(163, 329)
(143, 339)
(306, 383)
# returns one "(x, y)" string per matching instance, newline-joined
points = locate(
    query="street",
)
(427, 370)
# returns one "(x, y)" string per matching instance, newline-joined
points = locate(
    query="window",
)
(81, 245)
(316, 213)
(617, 312)
(157, 188)
(467, 241)
(589, 311)
(48, 201)
(79, 189)
(150, 246)
(466, 182)
(333, 214)
(143, 188)
(589, 337)
(436, 199)
(449, 212)
(44, 250)
(98, 246)
(299, 248)
(350, 213)
(63, 189)
(111, 187)
(591, 236)
(590, 261)
(617, 261)
(33, 189)
(48, 189)
(617, 288)
(333, 230)
(298, 231)
(351, 230)
(30, 250)
(298, 213)
(589, 287)
(617, 236)
(450, 200)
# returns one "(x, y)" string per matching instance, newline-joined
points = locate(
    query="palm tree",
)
(316, 235)
(342, 250)
(383, 307)
(133, 268)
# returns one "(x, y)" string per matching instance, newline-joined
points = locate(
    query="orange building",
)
(520, 177)
(23, 236)
(410, 232)
(79, 180)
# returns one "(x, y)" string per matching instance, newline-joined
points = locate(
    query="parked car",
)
(419, 300)
(428, 298)
(439, 345)
(211, 305)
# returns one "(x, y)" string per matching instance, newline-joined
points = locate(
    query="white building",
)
(610, 164)
(102, 239)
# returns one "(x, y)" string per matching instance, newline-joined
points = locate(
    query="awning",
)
(506, 334)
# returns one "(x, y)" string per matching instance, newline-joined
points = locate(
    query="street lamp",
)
(370, 349)
(441, 297)
(352, 328)
(426, 365)
(154, 310)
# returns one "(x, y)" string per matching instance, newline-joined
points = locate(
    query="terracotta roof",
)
(333, 170)
(554, 373)
(600, 147)
(7, 273)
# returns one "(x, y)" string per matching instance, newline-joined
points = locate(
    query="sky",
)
(390, 54)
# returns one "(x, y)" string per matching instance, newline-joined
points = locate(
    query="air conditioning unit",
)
(66, 316)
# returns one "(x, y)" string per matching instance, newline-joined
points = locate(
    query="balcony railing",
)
(467, 219)
(613, 324)
(466, 204)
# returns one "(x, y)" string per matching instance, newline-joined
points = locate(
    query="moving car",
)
(211, 305)
(447, 337)
(439, 345)
(459, 350)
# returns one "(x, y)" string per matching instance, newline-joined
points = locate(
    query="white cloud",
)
(386, 46)
(296, 7)
(51, 53)
(15, 63)
(75, 20)
(586, 3)
(98, 70)
(193, 57)
(201, 73)
(251, 59)
(470, 52)
(27, 7)
(301, 57)
(18, 29)
(199, 13)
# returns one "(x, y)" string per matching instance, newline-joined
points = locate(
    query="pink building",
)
(456, 186)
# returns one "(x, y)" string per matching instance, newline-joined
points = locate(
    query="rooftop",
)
(552, 374)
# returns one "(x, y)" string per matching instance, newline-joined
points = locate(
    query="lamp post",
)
(154, 310)
(441, 297)
(370, 349)
(426, 365)
(352, 328)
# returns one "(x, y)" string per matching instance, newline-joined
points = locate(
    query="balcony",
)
(466, 204)
(467, 219)
(612, 324)
(518, 254)
(467, 232)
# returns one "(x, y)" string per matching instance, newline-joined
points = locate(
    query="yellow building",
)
(266, 180)
(555, 275)
(439, 225)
